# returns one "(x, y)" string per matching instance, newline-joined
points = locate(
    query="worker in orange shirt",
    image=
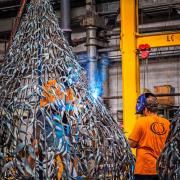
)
(148, 137)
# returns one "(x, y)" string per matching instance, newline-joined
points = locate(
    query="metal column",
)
(92, 56)
(91, 46)
(130, 63)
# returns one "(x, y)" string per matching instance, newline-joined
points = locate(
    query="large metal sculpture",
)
(50, 124)
(169, 161)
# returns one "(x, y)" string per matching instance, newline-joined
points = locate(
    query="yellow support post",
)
(130, 63)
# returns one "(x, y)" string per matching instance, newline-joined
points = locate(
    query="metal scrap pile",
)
(169, 161)
(50, 124)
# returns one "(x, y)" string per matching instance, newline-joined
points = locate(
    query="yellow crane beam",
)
(159, 40)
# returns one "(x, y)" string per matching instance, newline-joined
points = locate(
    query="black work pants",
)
(145, 177)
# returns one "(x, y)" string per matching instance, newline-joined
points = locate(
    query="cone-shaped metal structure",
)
(169, 162)
(51, 125)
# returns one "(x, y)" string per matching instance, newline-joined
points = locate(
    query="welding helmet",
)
(142, 102)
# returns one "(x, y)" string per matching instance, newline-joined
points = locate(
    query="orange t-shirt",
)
(150, 132)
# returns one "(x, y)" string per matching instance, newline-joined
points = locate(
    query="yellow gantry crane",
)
(130, 41)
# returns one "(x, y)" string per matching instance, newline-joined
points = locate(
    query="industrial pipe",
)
(66, 19)
(92, 56)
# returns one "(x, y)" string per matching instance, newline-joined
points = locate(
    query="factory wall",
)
(164, 71)
(161, 71)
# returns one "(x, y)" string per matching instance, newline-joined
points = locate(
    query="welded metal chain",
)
(169, 161)
(51, 125)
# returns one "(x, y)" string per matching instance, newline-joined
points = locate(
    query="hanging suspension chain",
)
(144, 50)
(147, 73)
(144, 75)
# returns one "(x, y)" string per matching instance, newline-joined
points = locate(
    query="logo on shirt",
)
(158, 128)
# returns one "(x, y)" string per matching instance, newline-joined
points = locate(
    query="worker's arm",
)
(136, 134)
(132, 143)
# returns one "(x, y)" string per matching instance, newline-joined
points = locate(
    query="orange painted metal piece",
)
(51, 91)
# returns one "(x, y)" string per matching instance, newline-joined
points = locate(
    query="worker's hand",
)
(133, 144)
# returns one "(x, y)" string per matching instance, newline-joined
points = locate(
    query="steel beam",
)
(160, 40)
